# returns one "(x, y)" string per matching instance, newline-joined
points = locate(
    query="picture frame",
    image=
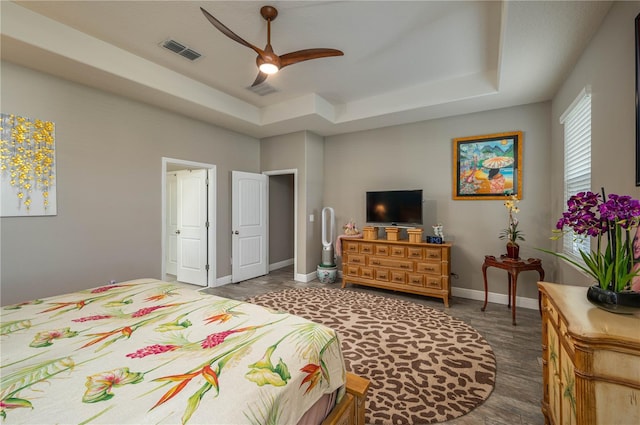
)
(637, 40)
(488, 166)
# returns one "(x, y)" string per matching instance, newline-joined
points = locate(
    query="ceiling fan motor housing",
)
(269, 12)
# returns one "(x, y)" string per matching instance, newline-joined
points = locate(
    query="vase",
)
(513, 250)
(327, 274)
(624, 302)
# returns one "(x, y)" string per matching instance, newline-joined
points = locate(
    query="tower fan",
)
(327, 269)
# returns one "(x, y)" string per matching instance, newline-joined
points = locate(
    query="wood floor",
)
(518, 391)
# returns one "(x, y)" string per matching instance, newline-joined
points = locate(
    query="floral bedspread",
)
(148, 351)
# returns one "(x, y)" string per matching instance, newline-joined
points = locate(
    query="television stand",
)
(413, 267)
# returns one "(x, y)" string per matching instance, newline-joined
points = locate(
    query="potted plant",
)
(512, 234)
(612, 265)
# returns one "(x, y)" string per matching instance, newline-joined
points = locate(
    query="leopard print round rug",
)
(424, 365)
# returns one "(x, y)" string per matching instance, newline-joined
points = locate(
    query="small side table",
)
(513, 267)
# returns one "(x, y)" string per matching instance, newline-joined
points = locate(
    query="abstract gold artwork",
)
(27, 166)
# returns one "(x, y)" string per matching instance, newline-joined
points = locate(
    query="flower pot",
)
(513, 250)
(625, 302)
(327, 274)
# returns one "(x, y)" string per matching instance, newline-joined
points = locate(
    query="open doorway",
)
(283, 201)
(191, 244)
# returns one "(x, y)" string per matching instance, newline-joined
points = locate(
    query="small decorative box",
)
(393, 233)
(415, 235)
(370, 232)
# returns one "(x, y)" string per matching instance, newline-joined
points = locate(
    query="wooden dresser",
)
(591, 360)
(415, 267)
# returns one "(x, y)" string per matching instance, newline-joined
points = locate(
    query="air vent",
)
(262, 89)
(181, 49)
(190, 54)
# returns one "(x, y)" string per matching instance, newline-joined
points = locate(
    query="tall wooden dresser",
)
(415, 267)
(591, 360)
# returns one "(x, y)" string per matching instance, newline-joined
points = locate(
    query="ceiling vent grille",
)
(262, 89)
(181, 49)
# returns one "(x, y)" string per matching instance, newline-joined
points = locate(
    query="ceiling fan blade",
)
(259, 79)
(226, 31)
(307, 54)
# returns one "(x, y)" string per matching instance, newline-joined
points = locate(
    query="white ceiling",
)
(404, 61)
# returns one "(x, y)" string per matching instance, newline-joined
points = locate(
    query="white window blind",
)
(577, 160)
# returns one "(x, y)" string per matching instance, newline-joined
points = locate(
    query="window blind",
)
(577, 161)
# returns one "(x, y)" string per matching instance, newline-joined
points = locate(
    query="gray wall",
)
(109, 169)
(304, 152)
(314, 158)
(608, 65)
(287, 152)
(420, 156)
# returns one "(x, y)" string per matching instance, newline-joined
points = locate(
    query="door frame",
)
(211, 208)
(293, 171)
(171, 175)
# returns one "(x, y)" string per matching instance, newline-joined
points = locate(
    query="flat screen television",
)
(395, 206)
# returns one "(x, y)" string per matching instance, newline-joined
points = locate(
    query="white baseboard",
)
(473, 294)
(222, 281)
(280, 264)
(306, 277)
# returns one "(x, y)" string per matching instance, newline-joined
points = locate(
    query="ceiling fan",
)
(268, 62)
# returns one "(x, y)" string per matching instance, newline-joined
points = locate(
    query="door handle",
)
(236, 232)
(177, 232)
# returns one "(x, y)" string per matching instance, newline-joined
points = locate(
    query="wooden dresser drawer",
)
(550, 309)
(350, 247)
(382, 250)
(366, 248)
(397, 251)
(398, 277)
(429, 268)
(394, 264)
(433, 282)
(356, 259)
(381, 274)
(352, 270)
(366, 272)
(414, 253)
(566, 338)
(433, 253)
(415, 279)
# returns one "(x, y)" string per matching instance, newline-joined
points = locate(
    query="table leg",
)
(509, 289)
(514, 281)
(484, 275)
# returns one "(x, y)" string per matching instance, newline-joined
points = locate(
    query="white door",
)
(249, 212)
(192, 227)
(171, 246)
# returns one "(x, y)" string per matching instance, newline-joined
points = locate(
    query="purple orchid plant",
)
(589, 215)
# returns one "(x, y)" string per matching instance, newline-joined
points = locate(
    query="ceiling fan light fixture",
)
(268, 62)
(268, 68)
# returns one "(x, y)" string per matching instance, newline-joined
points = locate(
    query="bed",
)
(148, 351)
